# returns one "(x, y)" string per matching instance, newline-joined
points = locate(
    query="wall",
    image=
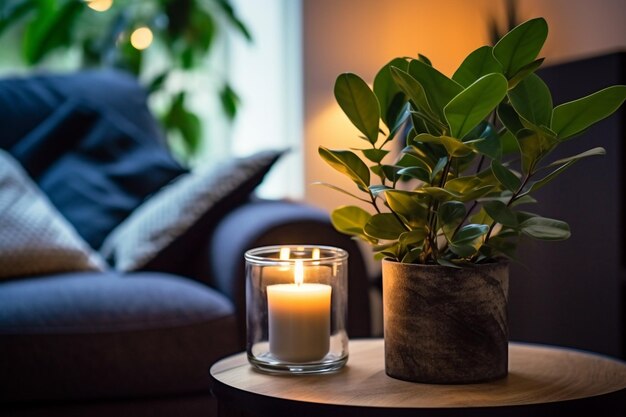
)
(360, 35)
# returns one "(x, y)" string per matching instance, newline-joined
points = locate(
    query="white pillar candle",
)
(299, 319)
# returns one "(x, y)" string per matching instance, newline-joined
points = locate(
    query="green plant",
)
(477, 147)
(185, 30)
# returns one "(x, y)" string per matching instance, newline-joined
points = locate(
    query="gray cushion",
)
(106, 335)
(190, 205)
(34, 237)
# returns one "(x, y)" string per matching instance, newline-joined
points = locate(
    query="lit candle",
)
(279, 274)
(299, 319)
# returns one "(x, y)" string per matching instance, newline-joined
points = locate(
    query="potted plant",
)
(448, 209)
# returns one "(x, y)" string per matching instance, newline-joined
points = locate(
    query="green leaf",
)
(384, 226)
(468, 239)
(509, 143)
(465, 111)
(359, 103)
(441, 163)
(390, 96)
(450, 215)
(13, 11)
(374, 155)
(230, 101)
(413, 237)
(453, 146)
(525, 71)
(509, 118)
(491, 144)
(591, 152)
(534, 145)
(443, 194)
(157, 82)
(234, 19)
(417, 173)
(350, 220)
(545, 229)
(348, 164)
(501, 213)
(407, 205)
(390, 172)
(521, 45)
(50, 30)
(187, 123)
(414, 91)
(564, 164)
(200, 30)
(412, 256)
(424, 59)
(508, 179)
(502, 246)
(478, 63)
(377, 189)
(574, 117)
(450, 264)
(410, 160)
(333, 187)
(439, 88)
(532, 100)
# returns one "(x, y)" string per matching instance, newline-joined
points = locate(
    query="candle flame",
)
(298, 273)
(284, 254)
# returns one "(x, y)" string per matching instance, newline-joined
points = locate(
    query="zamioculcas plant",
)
(477, 146)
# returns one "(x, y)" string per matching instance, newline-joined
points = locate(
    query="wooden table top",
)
(537, 375)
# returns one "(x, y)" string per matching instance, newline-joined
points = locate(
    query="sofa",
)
(122, 271)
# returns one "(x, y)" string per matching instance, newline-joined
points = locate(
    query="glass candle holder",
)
(296, 300)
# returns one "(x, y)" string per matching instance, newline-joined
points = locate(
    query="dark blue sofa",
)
(129, 343)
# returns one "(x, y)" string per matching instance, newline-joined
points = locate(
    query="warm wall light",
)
(99, 5)
(141, 38)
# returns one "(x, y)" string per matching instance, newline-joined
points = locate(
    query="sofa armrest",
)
(270, 222)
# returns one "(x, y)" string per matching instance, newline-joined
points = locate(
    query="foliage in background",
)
(510, 10)
(185, 29)
(477, 146)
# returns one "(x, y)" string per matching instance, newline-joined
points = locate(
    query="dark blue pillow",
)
(25, 102)
(95, 162)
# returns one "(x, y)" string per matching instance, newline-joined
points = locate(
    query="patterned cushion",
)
(34, 237)
(164, 228)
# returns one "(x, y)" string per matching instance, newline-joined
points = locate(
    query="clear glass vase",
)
(296, 300)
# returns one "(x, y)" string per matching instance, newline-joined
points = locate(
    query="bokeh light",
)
(99, 5)
(141, 38)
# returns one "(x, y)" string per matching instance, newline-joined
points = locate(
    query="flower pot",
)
(445, 325)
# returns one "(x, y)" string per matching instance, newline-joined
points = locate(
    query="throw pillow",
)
(50, 117)
(26, 101)
(174, 221)
(94, 166)
(34, 237)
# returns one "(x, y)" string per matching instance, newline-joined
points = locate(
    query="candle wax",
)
(299, 321)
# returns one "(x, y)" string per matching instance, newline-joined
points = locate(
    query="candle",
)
(284, 274)
(299, 319)
(279, 274)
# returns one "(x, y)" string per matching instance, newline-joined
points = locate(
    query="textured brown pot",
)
(445, 325)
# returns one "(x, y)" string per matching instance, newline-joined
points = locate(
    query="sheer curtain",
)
(267, 75)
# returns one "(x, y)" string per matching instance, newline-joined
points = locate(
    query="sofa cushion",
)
(105, 335)
(34, 236)
(90, 143)
(172, 223)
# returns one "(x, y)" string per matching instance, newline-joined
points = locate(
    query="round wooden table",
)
(542, 380)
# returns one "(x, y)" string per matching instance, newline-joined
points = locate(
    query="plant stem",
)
(432, 210)
(511, 200)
